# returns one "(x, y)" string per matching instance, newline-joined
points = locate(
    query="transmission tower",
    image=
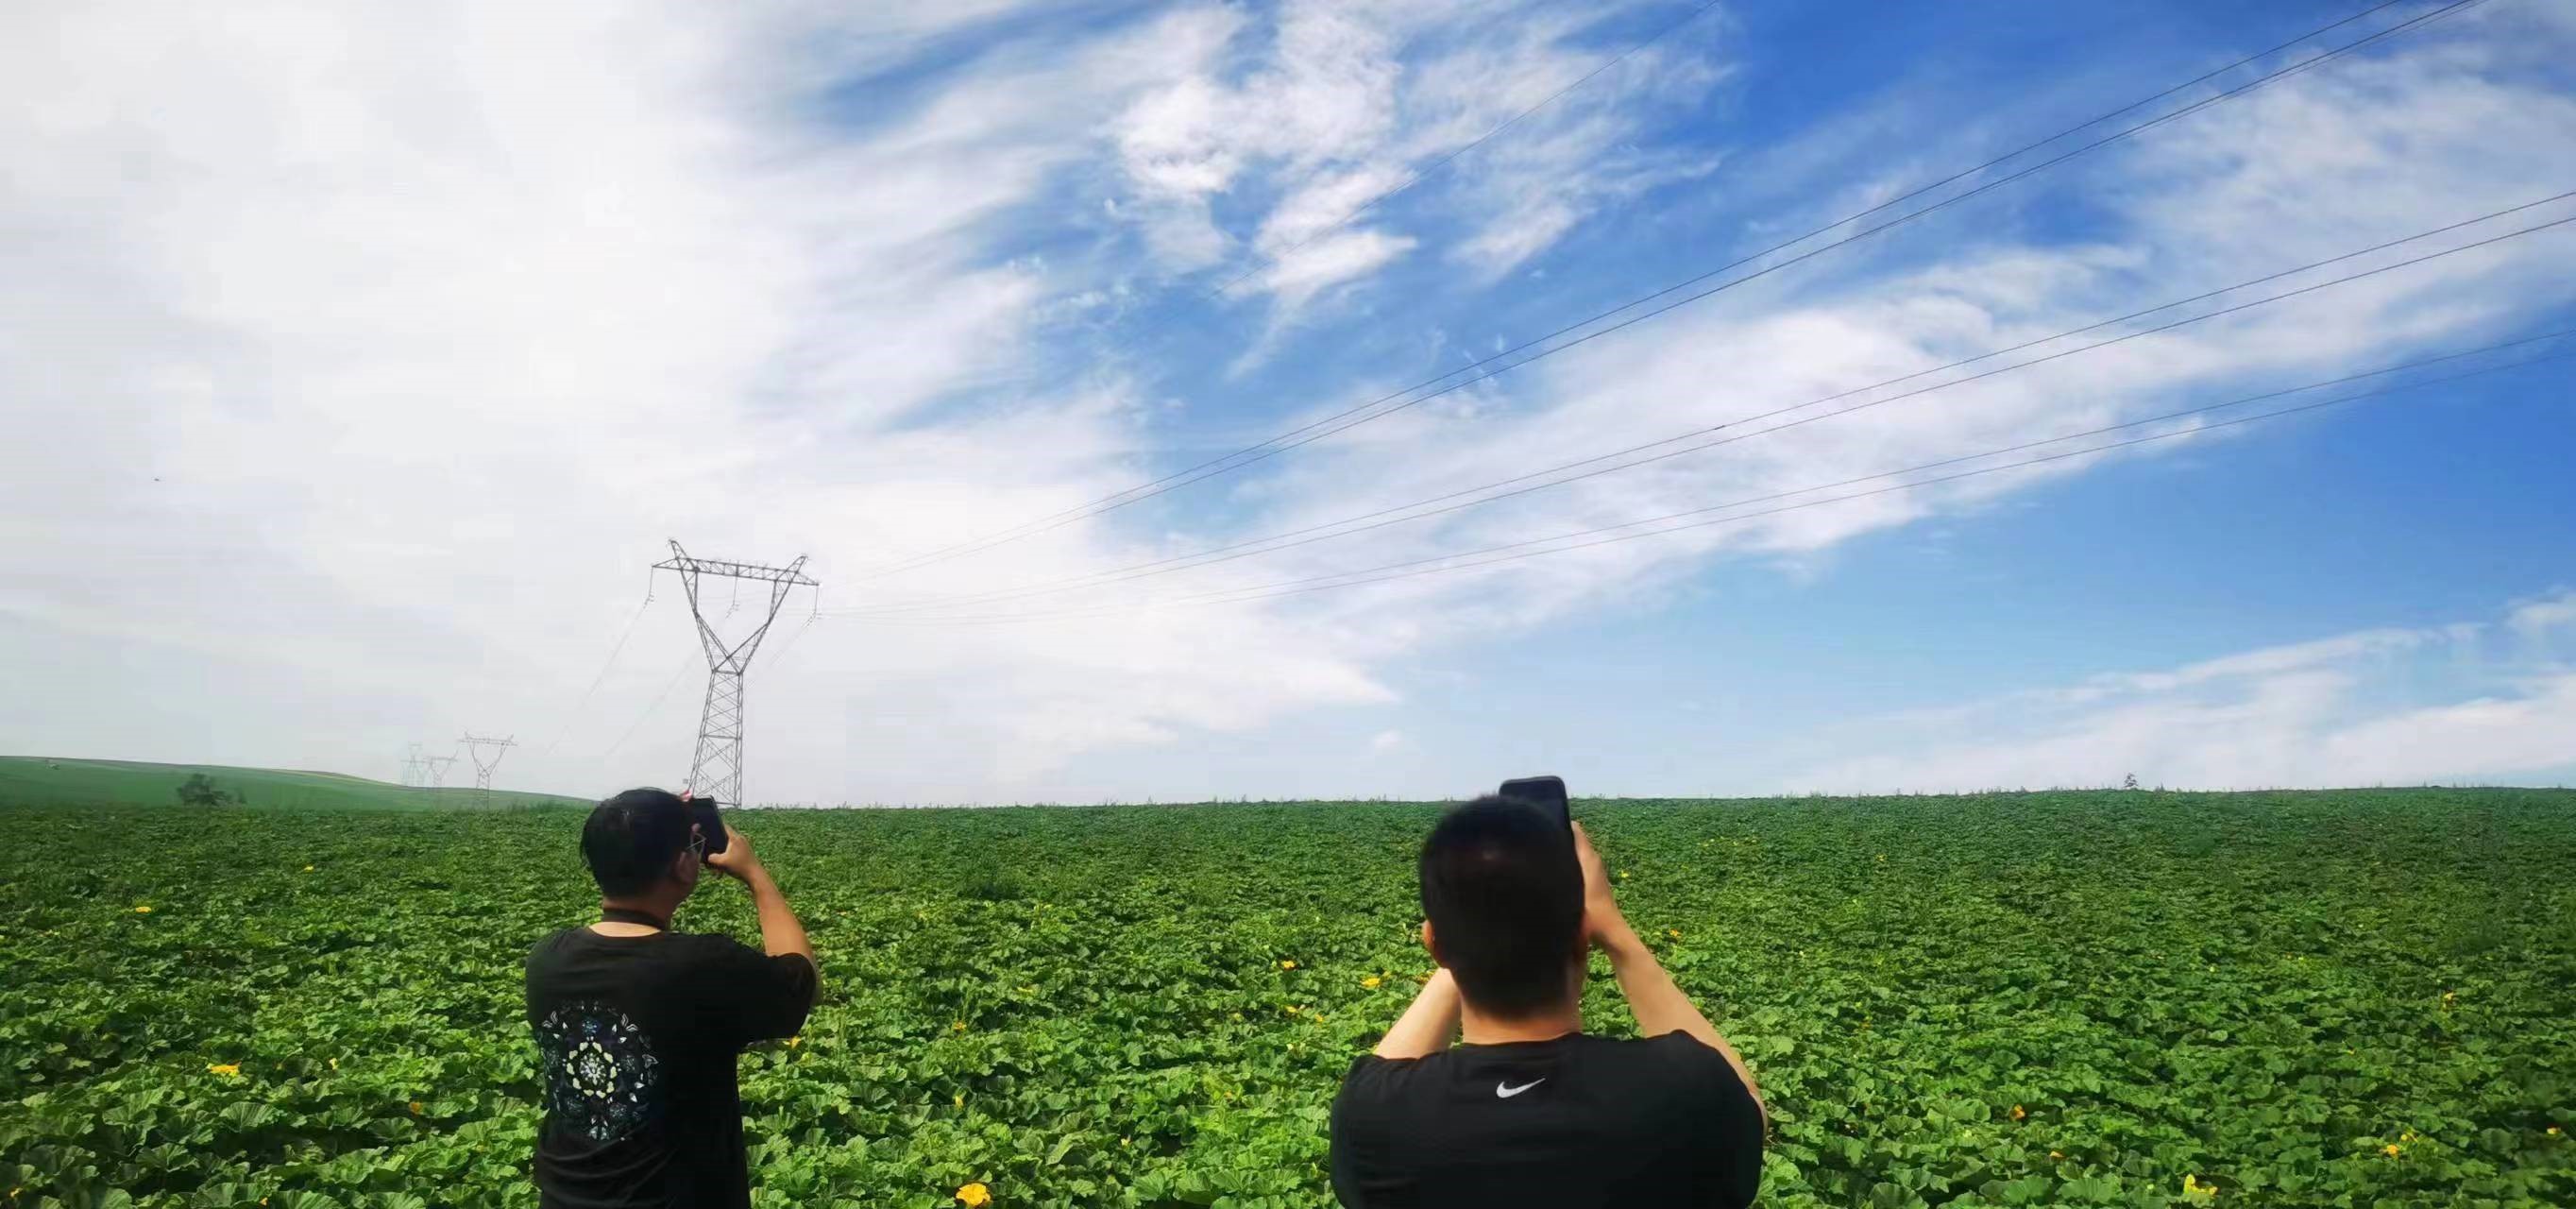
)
(435, 767)
(476, 745)
(412, 774)
(716, 770)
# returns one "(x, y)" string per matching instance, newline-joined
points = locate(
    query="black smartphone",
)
(702, 811)
(1545, 792)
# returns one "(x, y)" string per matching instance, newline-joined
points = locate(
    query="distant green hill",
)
(35, 780)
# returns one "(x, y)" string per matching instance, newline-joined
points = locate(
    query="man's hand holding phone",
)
(1603, 927)
(736, 860)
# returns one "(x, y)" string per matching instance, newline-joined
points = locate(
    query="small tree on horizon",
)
(201, 790)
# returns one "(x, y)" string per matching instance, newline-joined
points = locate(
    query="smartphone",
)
(702, 811)
(1547, 793)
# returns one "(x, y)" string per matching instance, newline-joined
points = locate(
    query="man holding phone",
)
(1529, 1110)
(638, 1026)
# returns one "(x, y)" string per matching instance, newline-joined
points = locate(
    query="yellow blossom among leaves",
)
(228, 1069)
(415, 1108)
(958, 1027)
(308, 868)
(2017, 1113)
(2391, 1150)
(975, 1194)
(2192, 1187)
(1286, 964)
(1371, 982)
(142, 909)
(1675, 933)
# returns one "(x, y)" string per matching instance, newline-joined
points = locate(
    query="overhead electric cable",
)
(1415, 567)
(1423, 509)
(1371, 410)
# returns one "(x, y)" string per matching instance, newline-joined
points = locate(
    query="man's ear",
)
(1429, 944)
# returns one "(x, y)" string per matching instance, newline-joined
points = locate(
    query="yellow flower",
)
(2017, 1113)
(975, 1194)
(1623, 874)
(1287, 965)
(1675, 933)
(335, 1064)
(961, 1100)
(2407, 1136)
(2553, 1131)
(2390, 1150)
(1371, 982)
(2057, 1155)
(227, 1069)
(2191, 1186)
(308, 868)
(958, 1027)
(415, 1108)
(141, 909)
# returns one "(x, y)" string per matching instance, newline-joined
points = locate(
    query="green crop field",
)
(130, 783)
(2335, 999)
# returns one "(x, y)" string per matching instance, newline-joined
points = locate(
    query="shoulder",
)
(549, 945)
(1373, 1080)
(713, 948)
(1676, 1060)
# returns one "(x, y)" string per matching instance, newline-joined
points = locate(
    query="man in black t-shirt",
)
(638, 1026)
(1529, 1111)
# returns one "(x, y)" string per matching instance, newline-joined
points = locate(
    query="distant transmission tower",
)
(476, 745)
(436, 769)
(716, 770)
(413, 774)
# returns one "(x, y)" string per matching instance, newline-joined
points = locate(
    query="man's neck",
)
(1480, 1028)
(659, 906)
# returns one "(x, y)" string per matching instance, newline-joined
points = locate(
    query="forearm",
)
(780, 934)
(1659, 1005)
(1426, 1027)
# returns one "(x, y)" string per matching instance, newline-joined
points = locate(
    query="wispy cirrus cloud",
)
(2471, 702)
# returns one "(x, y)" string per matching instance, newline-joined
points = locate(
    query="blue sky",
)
(380, 352)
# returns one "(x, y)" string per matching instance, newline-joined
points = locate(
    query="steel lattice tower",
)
(475, 746)
(715, 771)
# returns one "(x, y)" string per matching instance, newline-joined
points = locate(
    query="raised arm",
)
(780, 934)
(1660, 1006)
(1427, 1027)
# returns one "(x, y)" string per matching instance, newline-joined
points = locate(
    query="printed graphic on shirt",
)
(602, 1080)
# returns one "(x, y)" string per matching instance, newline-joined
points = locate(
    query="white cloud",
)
(1347, 103)
(2379, 707)
(372, 353)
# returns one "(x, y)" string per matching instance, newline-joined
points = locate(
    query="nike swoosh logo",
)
(1505, 1091)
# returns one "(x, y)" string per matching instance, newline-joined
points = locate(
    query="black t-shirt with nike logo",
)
(1573, 1122)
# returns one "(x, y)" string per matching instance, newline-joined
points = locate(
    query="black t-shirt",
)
(1569, 1123)
(638, 1036)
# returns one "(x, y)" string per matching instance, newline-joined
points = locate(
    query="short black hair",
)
(632, 838)
(1504, 894)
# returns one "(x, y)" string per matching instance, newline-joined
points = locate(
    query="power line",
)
(686, 662)
(572, 717)
(1352, 417)
(1349, 526)
(1416, 567)
(1267, 261)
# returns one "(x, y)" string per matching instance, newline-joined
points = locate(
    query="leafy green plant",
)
(2123, 998)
